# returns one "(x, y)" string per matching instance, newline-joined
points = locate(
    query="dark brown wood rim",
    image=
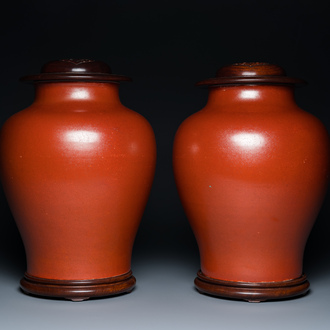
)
(57, 77)
(277, 80)
(78, 290)
(251, 291)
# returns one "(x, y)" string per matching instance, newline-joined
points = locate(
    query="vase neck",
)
(60, 92)
(252, 98)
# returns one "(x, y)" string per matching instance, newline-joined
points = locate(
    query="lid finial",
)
(250, 73)
(75, 70)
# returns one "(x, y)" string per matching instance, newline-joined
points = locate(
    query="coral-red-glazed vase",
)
(77, 168)
(251, 170)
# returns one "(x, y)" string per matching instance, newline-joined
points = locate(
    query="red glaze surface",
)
(251, 170)
(77, 167)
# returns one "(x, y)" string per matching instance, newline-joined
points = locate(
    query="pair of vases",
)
(251, 169)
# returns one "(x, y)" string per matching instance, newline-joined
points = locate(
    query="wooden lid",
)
(248, 73)
(75, 70)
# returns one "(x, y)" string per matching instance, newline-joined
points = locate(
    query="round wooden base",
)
(251, 291)
(78, 290)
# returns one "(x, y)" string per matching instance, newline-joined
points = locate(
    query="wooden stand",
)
(250, 291)
(78, 290)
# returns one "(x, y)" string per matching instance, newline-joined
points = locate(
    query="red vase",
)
(77, 168)
(251, 170)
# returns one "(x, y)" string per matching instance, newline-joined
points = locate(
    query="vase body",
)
(251, 170)
(77, 168)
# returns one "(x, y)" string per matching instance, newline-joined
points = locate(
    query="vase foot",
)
(78, 290)
(251, 291)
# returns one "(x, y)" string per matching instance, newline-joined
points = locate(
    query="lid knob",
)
(76, 66)
(75, 70)
(250, 69)
(247, 73)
